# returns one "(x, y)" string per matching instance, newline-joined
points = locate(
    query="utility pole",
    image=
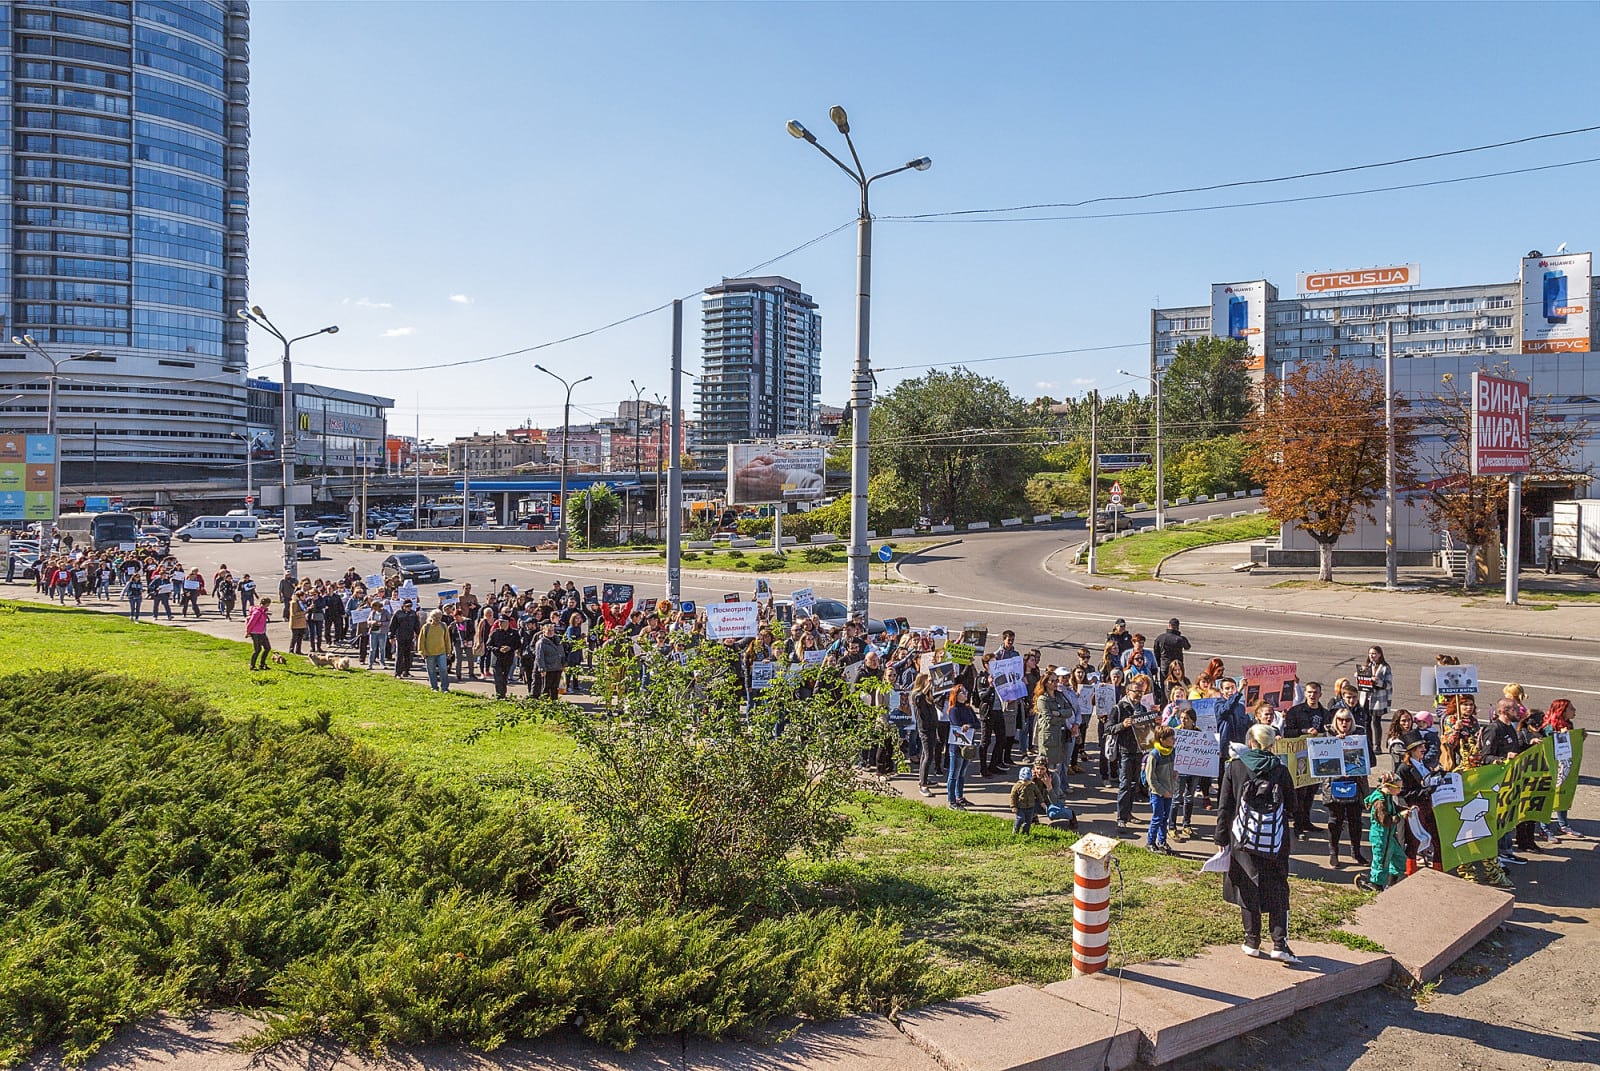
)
(1390, 554)
(466, 491)
(416, 458)
(1094, 474)
(675, 471)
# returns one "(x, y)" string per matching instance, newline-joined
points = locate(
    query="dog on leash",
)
(342, 664)
(278, 659)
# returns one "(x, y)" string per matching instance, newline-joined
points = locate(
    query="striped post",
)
(1091, 904)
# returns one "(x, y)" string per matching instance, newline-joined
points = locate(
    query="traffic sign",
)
(1116, 493)
(886, 553)
(249, 500)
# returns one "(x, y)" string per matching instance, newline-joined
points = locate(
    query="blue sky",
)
(449, 181)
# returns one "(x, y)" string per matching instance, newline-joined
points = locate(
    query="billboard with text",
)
(1555, 303)
(762, 472)
(1322, 282)
(1239, 310)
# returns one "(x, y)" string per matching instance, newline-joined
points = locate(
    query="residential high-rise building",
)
(761, 373)
(124, 151)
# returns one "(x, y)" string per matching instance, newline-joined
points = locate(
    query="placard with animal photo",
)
(943, 677)
(974, 635)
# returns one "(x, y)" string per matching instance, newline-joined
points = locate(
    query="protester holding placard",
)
(963, 745)
(1343, 797)
(1558, 725)
(1053, 715)
(1308, 718)
(1128, 713)
(1375, 678)
(1163, 784)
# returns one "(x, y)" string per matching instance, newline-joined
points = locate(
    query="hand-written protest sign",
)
(1296, 759)
(1205, 714)
(1337, 756)
(359, 617)
(1103, 699)
(761, 675)
(1494, 798)
(803, 601)
(959, 653)
(1272, 681)
(815, 658)
(374, 581)
(408, 590)
(732, 620)
(1009, 683)
(1194, 753)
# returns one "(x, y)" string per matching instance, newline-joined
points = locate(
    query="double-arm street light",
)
(566, 436)
(1154, 380)
(47, 539)
(861, 387)
(291, 558)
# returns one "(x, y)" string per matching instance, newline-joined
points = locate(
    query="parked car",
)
(269, 527)
(308, 548)
(833, 614)
(410, 566)
(27, 563)
(332, 535)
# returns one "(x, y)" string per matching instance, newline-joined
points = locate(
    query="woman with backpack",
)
(1254, 823)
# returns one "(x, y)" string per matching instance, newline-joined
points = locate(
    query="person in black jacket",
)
(1254, 822)
(1309, 718)
(1169, 647)
(1498, 742)
(403, 629)
(1128, 712)
(502, 644)
(927, 718)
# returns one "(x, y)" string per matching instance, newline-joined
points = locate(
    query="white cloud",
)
(368, 303)
(1080, 382)
(461, 299)
(399, 332)
(1044, 384)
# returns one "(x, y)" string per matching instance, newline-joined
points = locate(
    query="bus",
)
(100, 531)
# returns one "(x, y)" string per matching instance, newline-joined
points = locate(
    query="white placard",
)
(1205, 714)
(374, 581)
(1333, 757)
(191, 585)
(761, 675)
(1456, 680)
(360, 617)
(1009, 683)
(1194, 754)
(803, 600)
(1105, 697)
(1563, 747)
(408, 590)
(1449, 790)
(815, 658)
(732, 620)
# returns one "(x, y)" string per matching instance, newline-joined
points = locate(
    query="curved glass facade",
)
(124, 151)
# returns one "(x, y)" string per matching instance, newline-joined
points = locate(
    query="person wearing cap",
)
(1169, 646)
(1386, 833)
(1120, 636)
(502, 644)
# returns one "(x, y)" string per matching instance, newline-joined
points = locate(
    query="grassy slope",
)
(422, 728)
(1135, 557)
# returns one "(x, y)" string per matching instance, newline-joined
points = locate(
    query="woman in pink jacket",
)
(255, 626)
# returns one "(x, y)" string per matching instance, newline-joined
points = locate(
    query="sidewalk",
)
(1207, 576)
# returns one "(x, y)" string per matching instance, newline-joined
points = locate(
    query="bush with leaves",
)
(817, 555)
(689, 801)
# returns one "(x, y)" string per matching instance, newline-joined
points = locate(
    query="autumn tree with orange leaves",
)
(1316, 444)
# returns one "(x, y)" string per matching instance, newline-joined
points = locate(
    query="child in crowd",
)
(1386, 835)
(1162, 780)
(1028, 801)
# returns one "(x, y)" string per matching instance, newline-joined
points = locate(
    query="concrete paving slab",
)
(1428, 920)
(1179, 1008)
(1020, 1028)
(861, 1044)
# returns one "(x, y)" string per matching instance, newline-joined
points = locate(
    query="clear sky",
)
(449, 181)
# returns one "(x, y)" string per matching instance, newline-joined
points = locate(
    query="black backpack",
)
(1259, 824)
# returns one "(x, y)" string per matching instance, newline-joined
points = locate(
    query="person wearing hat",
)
(1386, 834)
(1417, 783)
(1169, 647)
(502, 644)
(1120, 636)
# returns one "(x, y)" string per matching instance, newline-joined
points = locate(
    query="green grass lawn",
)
(424, 729)
(997, 908)
(1136, 557)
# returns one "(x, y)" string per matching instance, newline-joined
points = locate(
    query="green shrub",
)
(768, 563)
(743, 563)
(689, 555)
(735, 552)
(817, 555)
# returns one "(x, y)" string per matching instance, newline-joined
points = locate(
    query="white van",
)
(235, 529)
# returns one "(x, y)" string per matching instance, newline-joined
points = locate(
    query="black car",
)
(307, 548)
(411, 566)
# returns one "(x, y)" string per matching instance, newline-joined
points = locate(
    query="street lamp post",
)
(628, 504)
(566, 436)
(49, 540)
(861, 388)
(291, 560)
(661, 458)
(1154, 379)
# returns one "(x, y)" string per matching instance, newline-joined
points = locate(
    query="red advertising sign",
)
(1500, 443)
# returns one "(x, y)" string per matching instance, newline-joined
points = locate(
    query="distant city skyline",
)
(523, 197)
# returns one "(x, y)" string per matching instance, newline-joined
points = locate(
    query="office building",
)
(124, 218)
(337, 432)
(761, 373)
(1528, 326)
(494, 454)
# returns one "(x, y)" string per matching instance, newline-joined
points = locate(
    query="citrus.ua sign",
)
(1321, 282)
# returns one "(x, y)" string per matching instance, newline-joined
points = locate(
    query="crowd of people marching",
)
(1107, 715)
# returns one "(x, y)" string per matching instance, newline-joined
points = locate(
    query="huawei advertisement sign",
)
(1555, 303)
(1322, 282)
(1239, 310)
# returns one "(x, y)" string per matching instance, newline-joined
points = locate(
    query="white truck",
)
(1575, 535)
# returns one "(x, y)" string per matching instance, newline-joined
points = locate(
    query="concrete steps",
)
(1020, 1028)
(1428, 920)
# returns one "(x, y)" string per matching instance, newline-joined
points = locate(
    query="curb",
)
(1468, 629)
(927, 589)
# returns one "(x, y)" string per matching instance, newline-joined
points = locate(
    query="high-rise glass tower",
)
(124, 153)
(762, 363)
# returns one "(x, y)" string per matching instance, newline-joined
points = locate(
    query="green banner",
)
(961, 654)
(1475, 808)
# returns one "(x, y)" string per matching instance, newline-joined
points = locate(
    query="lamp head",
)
(332, 329)
(16, 340)
(29, 340)
(922, 163)
(255, 310)
(798, 131)
(90, 356)
(840, 119)
(243, 314)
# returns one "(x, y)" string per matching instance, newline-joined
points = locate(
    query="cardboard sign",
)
(1009, 683)
(408, 590)
(1272, 681)
(815, 658)
(448, 596)
(939, 636)
(803, 600)
(1337, 757)
(191, 585)
(1296, 759)
(374, 581)
(974, 635)
(1455, 680)
(1103, 699)
(960, 653)
(1563, 743)
(1205, 714)
(1194, 753)
(732, 621)
(943, 676)
(763, 589)
(732, 596)
(360, 617)
(761, 675)
(591, 593)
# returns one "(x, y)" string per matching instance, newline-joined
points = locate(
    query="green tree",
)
(592, 515)
(963, 441)
(1206, 390)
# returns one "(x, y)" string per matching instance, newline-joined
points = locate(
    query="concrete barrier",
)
(1256, 492)
(1240, 513)
(1263, 509)
(1069, 515)
(1137, 506)
(1238, 494)
(942, 529)
(699, 544)
(902, 531)
(1201, 498)
(788, 541)
(824, 537)
(1214, 517)
(1018, 1028)
(742, 544)
(1040, 518)
(977, 526)
(1181, 502)
(1428, 920)
(1011, 522)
